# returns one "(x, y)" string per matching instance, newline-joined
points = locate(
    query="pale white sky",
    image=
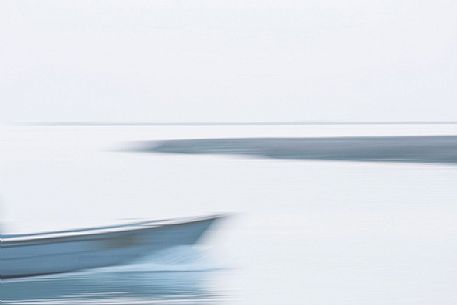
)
(212, 60)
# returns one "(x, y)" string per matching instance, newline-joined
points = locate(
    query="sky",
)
(237, 60)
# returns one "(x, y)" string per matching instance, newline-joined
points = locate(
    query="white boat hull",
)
(67, 251)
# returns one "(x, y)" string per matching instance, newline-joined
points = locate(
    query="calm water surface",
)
(301, 232)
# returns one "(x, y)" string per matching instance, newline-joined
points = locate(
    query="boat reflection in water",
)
(116, 287)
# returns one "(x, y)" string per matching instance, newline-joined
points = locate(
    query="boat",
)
(26, 255)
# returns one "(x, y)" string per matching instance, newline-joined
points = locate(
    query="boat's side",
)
(37, 256)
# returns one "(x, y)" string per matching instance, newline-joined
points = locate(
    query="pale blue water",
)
(112, 288)
(302, 232)
(177, 276)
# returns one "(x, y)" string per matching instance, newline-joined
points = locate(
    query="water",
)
(113, 288)
(174, 276)
(301, 232)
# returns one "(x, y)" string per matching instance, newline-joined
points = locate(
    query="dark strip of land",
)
(408, 149)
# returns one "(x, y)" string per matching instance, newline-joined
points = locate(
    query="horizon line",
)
(229, 123)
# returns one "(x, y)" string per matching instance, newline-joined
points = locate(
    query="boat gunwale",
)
(95, 233)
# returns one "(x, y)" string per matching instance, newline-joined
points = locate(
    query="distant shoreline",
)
(398, 149)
